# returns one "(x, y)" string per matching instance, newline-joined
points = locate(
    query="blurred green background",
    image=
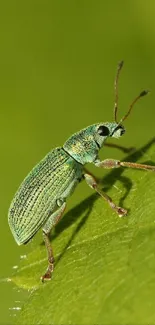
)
(57, 65)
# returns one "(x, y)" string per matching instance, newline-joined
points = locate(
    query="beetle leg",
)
(113, 163)
(52, 221)
(91, 181)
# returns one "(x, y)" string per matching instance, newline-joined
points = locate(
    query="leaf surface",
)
(104, 265)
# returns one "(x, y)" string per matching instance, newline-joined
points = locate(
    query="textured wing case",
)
(36, 197)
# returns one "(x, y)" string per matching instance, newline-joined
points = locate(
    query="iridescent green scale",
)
(37, 196)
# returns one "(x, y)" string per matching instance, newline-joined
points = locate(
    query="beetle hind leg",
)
(51, 222)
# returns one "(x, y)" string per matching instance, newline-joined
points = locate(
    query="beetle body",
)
(53, 179)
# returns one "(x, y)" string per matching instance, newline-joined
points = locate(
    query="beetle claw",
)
(46, 277)
(121, 212)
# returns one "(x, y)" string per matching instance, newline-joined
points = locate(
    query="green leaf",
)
(105, 265)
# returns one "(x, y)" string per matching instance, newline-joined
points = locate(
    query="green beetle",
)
(41, 198)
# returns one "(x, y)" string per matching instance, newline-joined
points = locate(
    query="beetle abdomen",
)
(37, 195)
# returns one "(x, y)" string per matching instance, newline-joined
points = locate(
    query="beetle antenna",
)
(143, 93)
(120, 65)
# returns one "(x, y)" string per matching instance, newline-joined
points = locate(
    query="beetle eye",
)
(103, 130)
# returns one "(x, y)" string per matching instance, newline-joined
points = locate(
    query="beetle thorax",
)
(81, 146)
(84, 145)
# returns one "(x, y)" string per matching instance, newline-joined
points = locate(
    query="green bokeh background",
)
(57, 66)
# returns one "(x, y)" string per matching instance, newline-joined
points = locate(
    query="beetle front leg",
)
(93, 184)
(113, 163)
(51, 222)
